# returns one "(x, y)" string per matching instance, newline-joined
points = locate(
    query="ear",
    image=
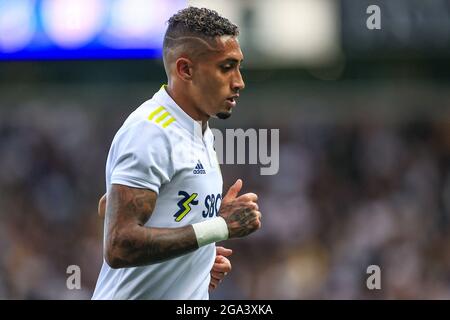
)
(184, 68)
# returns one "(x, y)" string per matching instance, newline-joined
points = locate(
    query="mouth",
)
(232, 100)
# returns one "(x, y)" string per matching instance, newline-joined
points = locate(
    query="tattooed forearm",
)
(128, 242)
(164, 243)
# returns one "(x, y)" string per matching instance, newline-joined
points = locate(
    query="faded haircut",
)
(193, 26)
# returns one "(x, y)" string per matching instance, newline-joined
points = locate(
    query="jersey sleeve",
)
(142, 157)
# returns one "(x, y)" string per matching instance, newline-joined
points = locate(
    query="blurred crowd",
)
(347, 196)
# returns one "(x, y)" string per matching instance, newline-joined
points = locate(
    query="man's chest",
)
(195, 191)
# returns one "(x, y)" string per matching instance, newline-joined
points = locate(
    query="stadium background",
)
(364, 119)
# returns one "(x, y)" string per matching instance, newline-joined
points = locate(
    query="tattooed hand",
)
(240, 213)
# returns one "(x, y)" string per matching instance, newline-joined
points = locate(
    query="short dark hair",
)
(199, 22)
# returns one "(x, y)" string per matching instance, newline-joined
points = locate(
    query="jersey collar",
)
(185, 120)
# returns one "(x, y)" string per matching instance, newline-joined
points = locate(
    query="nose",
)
(238, 82)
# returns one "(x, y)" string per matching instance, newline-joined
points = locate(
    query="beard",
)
(223, 115)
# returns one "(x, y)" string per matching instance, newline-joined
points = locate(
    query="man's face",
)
(217, 79)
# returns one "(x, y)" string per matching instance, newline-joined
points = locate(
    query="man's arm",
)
(221, 266)
(128, 243)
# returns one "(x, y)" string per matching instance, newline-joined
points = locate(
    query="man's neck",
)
(185, 103)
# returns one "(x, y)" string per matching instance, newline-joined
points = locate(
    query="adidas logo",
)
(199, 168)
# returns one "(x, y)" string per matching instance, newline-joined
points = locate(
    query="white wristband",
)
(211, 230)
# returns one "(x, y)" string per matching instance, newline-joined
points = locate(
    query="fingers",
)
(219, 276)
(249, 197)
(213, 284)
(216, 278)
(233, 191)
(252, 206)
(219, 271)
(244, 203)
(223, 251)
(249, 201)
(222, 264)
(257, 221)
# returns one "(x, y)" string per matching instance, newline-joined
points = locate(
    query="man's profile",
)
(164, 209)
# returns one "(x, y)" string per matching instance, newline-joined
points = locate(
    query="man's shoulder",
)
(140, 129)
(153, 116)
(151, 124)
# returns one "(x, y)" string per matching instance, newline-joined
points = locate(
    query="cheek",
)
(213, 87)
(211, 79)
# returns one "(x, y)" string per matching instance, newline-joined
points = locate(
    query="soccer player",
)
(164, 208)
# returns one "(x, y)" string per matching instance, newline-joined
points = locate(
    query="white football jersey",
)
(161, 148)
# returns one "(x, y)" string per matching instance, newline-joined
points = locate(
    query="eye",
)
(226, 67)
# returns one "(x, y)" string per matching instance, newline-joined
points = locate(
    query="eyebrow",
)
(232, 60)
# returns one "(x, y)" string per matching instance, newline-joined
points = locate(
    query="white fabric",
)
(211, 230)
(175, 161)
